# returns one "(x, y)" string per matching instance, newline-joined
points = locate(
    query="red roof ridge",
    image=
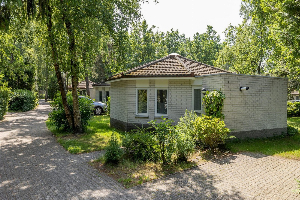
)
(183, 64)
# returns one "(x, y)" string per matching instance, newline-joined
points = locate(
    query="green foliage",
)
(185, 145)
(211, 131)
(206, 46)
(23, 100)
(214, 102)
(292, 130)
(108, 105)
(293, 109)
(58, 118)
(4, 98)
(140, 145)
(166, 136)
(186, 123)
(113, 152)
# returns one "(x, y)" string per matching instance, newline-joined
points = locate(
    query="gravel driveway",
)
(34, 166)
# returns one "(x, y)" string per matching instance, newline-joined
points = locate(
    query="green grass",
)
(283, 146)
(96, 137)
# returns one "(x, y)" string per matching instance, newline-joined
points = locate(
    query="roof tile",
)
(169, 66)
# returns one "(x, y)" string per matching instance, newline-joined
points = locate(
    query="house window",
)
(161, 102)
(197, 102)
(100, 96)
(142, 102)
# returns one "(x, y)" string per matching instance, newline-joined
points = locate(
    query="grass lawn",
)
(287, 147)
(96, 137)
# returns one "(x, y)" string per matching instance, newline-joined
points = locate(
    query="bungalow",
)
(255, 106)
(98, 91)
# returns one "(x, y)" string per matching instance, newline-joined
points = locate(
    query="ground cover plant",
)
(283, 146)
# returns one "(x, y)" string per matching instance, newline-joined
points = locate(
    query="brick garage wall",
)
(258, 112)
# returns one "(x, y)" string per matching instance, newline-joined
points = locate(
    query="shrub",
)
(108, 105)
(166, 137)
(4, 98)
(23, 100)
(58, 118)
(186, 123)
(113, 153)
(214, 102)
(293, 109)
(210, 131)
(185, 146)
(140, 145)
(292, 130)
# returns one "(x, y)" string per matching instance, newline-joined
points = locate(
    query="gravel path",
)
(34, 166)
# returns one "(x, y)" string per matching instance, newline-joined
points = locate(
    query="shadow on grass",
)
(96, 137)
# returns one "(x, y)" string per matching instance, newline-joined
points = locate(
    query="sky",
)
(192, 16)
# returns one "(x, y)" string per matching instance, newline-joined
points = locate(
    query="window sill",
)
(141, 116)
(159, 116)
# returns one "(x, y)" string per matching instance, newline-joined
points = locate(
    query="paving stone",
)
(34, 166)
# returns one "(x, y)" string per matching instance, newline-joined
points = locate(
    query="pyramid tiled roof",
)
(172, 65)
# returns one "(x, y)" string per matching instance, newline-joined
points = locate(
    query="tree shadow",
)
(34, 166)
(190, 184)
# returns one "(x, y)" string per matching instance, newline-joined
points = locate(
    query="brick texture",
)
(258, 112)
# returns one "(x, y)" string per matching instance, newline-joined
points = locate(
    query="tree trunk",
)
(57, 69)
(87, 85)
(74, 72)
(46, 84)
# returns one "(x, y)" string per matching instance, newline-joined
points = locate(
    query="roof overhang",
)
(152, 78)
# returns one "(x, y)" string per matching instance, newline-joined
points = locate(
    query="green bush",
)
(23, 100)
(140, 145)
(57, 116)
(292, 130)
(113, 153)
(213, 103)
(108, 105)
(4, 98)
(185, 146)
(186, 123)
(165, 135)
(210, 131)
(293, 109)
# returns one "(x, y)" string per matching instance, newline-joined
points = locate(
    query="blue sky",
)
(191, 16)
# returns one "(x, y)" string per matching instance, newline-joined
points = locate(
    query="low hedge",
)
(23, 100)
(293, 109)
(4, 98)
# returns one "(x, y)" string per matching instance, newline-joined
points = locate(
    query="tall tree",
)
(65, 23)
(205, 47)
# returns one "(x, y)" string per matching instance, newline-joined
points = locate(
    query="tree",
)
(205, 46)
(65, 22)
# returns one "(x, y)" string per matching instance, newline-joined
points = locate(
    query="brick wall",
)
(259, 111)
(123, 102)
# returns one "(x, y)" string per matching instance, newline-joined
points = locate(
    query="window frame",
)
(193, 98)
(136, 102)
(160, 114)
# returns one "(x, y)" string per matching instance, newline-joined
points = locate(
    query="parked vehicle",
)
(99, 107)
(294, 101)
